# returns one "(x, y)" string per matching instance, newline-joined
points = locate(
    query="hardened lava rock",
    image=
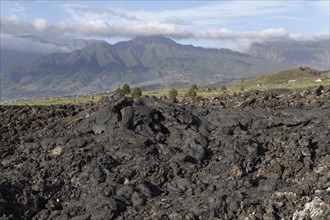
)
(257, 155)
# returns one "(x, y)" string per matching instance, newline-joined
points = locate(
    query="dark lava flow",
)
(257, 155)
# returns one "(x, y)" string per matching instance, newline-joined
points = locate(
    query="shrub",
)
(126, 89)
(194, 87)
(137, 92)
(173, 93)
(223, 88)
(192, 92)
(118, 90)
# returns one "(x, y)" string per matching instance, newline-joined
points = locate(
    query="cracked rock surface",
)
(257, 155)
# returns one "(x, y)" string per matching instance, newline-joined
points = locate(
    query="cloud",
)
(236, 40)
(92, 28)
(18, 8)
(178, 21)
(100, 28)
(226, 34)
(209, 21)
(314, 37)
(15, 25)
(217, 12)
(40, 24)
(80, 12)
(26, 45)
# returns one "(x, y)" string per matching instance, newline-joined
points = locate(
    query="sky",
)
(219, 24)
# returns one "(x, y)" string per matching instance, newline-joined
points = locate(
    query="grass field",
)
(263, 82)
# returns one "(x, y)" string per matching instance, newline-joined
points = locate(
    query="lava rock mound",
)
(259, 155)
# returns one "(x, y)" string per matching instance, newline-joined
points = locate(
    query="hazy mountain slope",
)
(298, 53)
(143, 60)
(12, 58)
(18, 53)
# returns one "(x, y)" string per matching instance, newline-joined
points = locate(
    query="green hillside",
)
(293, 78)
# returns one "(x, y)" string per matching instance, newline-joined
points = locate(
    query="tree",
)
(194, 87)
(223, 88)
(126, 89)
(173, 93)
(137, 92)
(192, 92)
(118, 90)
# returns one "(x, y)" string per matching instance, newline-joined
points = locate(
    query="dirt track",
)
(259, 155)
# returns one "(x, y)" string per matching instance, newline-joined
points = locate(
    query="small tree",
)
(137, 92)
(223, 88)
(118, 90)
(194, 87)
(192, 92)
(126, 89)
(173, 93)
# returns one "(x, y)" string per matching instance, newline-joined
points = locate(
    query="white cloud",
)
(226, 34)
(40, 24)
(206, 22)
(314, 37)
(99, 28)
(80, 12)
(26, 45)
(213, 13)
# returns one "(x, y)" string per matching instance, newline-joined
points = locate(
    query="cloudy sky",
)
(231, 24)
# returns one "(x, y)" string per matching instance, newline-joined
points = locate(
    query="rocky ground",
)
(257, 155)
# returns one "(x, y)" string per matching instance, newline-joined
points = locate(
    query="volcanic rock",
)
(145, 158)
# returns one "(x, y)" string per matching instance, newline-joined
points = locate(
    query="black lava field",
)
(256, 155)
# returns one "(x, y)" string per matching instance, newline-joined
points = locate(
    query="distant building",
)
(292, 81)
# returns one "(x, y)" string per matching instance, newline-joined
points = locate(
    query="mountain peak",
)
(97, 45)
(154, 39)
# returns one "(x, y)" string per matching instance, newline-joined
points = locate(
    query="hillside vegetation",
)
(298, 74)
(303, 78)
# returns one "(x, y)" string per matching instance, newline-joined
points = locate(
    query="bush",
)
(126, 89)
(194, 87)
(137, 92)
(173, 93)
(192, 92)
(223, 88)
(118, 90)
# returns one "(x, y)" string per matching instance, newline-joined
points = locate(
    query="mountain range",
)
(154, 61)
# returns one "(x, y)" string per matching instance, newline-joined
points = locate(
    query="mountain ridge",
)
(101, 67)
